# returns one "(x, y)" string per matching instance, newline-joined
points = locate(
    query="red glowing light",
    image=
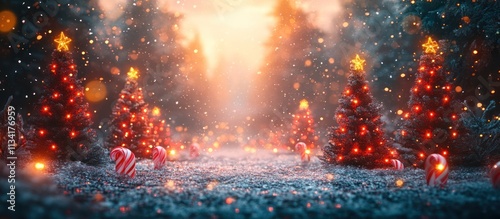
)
(428, 135)
(431, 114)
(445, 152)
(41, 132)
(428, 87)
(421, 155)
(68, 116)
(73, 134)
(387, 160)
(417, 108)
(45, 108)
(347, 91)
(355, 150)
(53, 147)
(355, 101)
(403, 133)
(369, 148)
(56, 95)
(454, 117)
(445, 99)
(454, 134)
(54, 66)
(340, 158)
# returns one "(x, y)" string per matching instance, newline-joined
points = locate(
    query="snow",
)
(235, 184)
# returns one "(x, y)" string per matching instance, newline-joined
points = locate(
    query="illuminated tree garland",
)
(358, 139)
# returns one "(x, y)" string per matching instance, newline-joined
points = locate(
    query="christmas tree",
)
(358, 139)
(303, 126)
(431, 124)
(61, 121)
(129, 124)
(160, 130)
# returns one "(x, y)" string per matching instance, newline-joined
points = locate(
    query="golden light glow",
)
(304, 104)
(62, 42)
(172, 152)
(133, 74)
(156, 111)
(358, 63)
(308, 151)
(39, 166)
(8, 21)
(399, 183)
(95, 91)
(440, 167)
(430, 46)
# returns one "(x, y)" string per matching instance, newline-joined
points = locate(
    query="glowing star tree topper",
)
(62, 42)
(430, 46)
(357, 65)
(133, 74)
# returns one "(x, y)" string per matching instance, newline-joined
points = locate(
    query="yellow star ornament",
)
(431, 46)
(304, 104)
(357, 63)
(62, 42)
(133, 74)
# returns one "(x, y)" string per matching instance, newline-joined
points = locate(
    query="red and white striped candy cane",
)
(124, 161)
(159, 157)
(436, 169)
(495, 175)
(301, 148)
(397, 165)
(194, 150)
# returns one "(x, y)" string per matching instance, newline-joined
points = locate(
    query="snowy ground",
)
(236, 184)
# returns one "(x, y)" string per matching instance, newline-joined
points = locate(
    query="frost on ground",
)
(235, 184)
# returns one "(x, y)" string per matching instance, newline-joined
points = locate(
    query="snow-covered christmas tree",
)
(61, 120)
(430, 126)
(303, 126)
(160, 129)
(358, 139)
(129, 123)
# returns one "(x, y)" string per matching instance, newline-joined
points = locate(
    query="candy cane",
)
(159, 157)
(194, 150)
(436, 169)
(124, 161)
(495, 175)
(301, 147)
(396, 164)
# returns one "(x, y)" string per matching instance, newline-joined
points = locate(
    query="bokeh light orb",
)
(8, 20)
(412, 24)
(95, 91)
